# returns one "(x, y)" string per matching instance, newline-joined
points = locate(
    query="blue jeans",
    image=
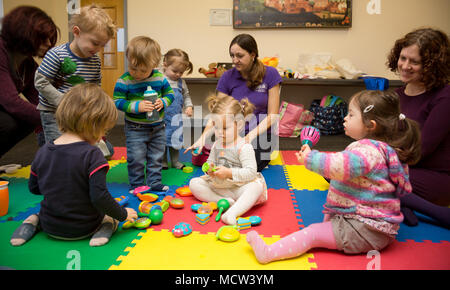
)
(145, 143)
(49, 125)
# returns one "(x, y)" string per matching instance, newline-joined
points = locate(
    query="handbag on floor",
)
(293, 117)
(329, 113)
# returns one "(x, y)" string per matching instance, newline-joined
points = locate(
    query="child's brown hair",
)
(87, 111)
(172, 55)
(392, 127)
(142, 50)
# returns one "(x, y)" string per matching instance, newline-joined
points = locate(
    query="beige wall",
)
(185, 24)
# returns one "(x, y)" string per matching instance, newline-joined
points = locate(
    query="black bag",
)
(329, 114)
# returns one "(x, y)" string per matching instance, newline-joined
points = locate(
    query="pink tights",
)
(318, 235)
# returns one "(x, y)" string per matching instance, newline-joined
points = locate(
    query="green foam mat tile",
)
(20, 198)
(45, 253)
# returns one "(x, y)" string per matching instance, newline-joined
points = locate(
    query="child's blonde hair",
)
(87, 111)
(142, 50)
(93, 19)
(392, 127)
(229, 105)
(171, 56)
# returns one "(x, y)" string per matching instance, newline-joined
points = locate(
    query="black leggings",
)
(264, 146)
(12, 131)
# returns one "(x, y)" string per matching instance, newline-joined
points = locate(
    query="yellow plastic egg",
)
(228, 234)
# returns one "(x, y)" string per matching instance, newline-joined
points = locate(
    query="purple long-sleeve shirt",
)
(11, 86)
(431, 111)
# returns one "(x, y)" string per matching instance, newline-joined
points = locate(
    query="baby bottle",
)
(4, 198)
(151, 95)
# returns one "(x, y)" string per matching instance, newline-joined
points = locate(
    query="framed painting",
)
(292, 13)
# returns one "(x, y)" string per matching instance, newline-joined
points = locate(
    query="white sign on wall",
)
(374, 7)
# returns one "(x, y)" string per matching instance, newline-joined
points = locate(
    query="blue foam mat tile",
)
(309, 205)
(275, 177)
(185, 157)
(425, 230)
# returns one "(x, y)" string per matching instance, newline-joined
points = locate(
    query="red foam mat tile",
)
(408, 255)
(278, 216)
(119, 152)
(289, 157)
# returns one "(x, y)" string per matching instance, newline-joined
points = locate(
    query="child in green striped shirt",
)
(145, 137)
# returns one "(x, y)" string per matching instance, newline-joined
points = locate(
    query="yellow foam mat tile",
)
(300, 178)
(113, 163)
(276, 158)
(23, 172)
(160, 250)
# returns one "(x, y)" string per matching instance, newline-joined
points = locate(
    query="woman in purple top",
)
(422, 59)
(27, 31)
(251, 79)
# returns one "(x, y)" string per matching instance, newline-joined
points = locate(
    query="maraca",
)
(309, 135)
(222, 205)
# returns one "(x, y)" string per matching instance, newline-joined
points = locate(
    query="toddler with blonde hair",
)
(234, 176)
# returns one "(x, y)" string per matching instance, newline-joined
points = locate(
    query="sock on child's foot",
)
(229, 219)
(259, 247)
(318, 235)
(26, 231)
(102, 236)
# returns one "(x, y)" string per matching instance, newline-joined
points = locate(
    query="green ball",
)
(156, 216)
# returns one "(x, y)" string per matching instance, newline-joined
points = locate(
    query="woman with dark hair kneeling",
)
(422, 59)
(26, 32)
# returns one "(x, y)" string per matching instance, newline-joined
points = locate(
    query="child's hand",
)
(159, 105)
(188, 111)
(222, 173)
(146, 106)
(301, 155)
(197, 145)
(131, 214)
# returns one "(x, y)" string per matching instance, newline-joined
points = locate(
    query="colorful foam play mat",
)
(296, 198)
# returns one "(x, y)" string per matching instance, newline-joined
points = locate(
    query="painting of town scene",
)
(292, 13)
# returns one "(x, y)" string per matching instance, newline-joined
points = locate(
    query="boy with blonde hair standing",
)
(145, 137)
(72, 63)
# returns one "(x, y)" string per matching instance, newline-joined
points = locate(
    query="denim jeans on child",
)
(145, 143)
(49, 125)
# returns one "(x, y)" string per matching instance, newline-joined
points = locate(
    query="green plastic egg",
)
(156, 216)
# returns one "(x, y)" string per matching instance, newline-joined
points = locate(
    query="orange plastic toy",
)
(147, 197)
(184, 191)
(4, 198)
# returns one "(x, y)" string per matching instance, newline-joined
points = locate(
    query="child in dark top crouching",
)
(70, 173)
